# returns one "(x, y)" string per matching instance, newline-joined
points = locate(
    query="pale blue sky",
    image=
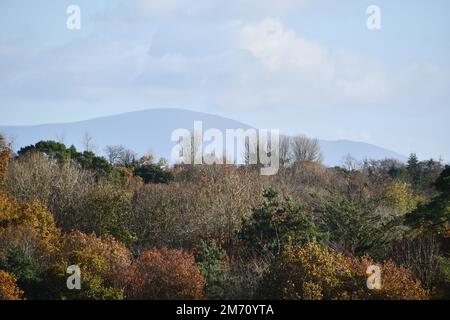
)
(304, 66)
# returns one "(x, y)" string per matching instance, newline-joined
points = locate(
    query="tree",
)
(356, 227)
(153, 173)
(397, 282)
(308, 272)
(276, 223)
(31, 215)
(106, 211)
(58, 151)
(5, 154)
(103, 262)
(306, 149)
(88, 142)
(28, 242)
(54, 150)
(312, 272)
(398, 195)
(120, 156)
(60, 186)
(212, 262)
(8, 287)
(165, 274)
(413, 169)
(434, 217)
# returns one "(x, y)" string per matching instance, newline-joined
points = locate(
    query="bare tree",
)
(285, 150)
(88, 142)
(351, 164)
(120, 156)
(251, 152)
(306, 149)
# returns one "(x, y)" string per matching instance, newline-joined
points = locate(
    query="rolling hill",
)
(150, 131)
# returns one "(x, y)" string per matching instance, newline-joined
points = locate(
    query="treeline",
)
(140, 229)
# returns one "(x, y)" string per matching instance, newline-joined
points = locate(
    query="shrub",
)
(434, 217)
(397, 282)
(103, 264)
(213, 263)
(165, 274)
(61, 187)
(153, 173)
(59, 152)
(105, 212)
(8, 287)
(276, 223)
(307, 272)
(5, 154)
(398, 195)
(28, 242)
(359, 228)
(314, 272)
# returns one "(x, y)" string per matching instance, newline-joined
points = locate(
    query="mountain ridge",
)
(142, 130)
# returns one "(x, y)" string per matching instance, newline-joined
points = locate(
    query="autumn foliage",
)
(220, 232)
(165, 274)
(103, 262)
(5, 154)
(8, 287)
(313, 272)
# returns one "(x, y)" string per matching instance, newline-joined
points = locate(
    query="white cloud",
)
(279, 48)
(344, 76)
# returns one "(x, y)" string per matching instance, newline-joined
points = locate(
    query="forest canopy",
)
(140, 229)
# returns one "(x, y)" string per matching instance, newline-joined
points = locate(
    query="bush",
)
(103, 263)
(397, 282)
(61, 187)
(8, 287)
(105, 211)
(59, 152)
(276, 223)
(359, 228)
(153, 173)
(165, 274)
(213, 263)
(434, 217)
(182, 213)
(398, 195)
(314, 272)
(5, 154)
(307, 272)
(28, 242)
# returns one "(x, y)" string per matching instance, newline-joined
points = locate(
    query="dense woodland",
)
(142, 229)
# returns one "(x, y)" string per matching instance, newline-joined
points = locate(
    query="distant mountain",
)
(335, 151)
(150, 131)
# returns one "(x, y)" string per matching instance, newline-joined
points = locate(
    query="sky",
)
(301, 66)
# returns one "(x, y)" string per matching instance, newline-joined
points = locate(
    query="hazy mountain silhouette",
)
(150, 131)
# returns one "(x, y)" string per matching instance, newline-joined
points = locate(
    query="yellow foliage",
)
(313, 272)
(104, 257)
(310, 272)
(398, 195)
(27, 223)
(397, 282)
(8, 287)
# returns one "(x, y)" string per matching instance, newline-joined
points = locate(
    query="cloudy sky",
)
(303, 66)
